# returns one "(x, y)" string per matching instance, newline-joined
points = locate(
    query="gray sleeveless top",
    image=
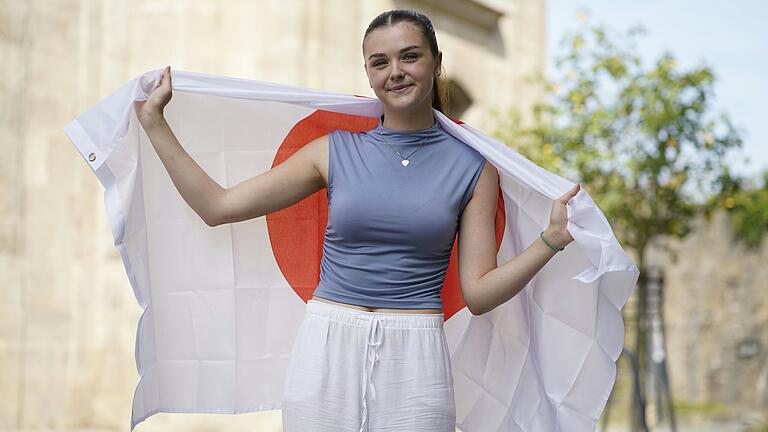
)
(391, 227)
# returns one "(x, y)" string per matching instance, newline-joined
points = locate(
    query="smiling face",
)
(400, 66)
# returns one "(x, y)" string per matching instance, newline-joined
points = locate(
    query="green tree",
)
(746, 203)
(644, 141)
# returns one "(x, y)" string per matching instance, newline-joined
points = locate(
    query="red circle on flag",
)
(296, 233)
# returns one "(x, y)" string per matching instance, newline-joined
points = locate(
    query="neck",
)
(424, 119)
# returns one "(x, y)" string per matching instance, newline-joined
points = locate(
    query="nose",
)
(396, 73)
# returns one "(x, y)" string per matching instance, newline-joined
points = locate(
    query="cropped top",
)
(391, 227)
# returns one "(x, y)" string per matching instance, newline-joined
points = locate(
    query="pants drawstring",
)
(371, 356)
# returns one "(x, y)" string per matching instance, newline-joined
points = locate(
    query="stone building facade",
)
(67, 313)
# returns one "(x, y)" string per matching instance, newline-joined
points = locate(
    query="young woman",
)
(371, 353)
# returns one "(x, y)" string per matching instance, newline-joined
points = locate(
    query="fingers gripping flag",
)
(222, 305)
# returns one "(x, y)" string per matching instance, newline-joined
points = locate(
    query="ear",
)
(439, 61)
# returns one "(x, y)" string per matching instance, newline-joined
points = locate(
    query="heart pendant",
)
(405, 162)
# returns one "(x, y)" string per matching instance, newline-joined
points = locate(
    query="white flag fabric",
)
(222, 305)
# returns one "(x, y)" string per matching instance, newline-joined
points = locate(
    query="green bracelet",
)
(547, 243)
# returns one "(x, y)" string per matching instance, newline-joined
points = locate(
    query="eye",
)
(409, 56)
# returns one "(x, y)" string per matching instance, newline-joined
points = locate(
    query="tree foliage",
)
(644, 141)
(747, 205)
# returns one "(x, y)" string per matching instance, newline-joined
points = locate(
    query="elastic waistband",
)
(351, 316)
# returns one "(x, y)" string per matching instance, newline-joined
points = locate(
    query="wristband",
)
(547, 243)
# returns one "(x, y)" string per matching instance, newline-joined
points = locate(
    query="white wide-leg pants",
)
(353, 370)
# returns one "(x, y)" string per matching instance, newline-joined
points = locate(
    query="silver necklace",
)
(405, 160)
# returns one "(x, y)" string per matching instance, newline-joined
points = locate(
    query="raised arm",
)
(296, 178)
(293, 180)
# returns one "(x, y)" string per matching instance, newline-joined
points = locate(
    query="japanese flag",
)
(222, 305)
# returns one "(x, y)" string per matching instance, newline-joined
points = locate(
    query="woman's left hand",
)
(557, 232)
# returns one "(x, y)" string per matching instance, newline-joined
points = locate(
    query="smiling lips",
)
(400, 87)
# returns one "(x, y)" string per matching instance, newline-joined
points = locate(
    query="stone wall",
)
(716, 312)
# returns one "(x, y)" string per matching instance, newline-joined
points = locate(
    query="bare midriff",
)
(367, 309)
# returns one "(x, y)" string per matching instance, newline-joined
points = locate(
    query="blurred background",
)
(656, 108)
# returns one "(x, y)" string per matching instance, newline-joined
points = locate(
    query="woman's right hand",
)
(157, 100)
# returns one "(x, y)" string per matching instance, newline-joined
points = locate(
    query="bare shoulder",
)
(489, 173)
(487, 187)
(317, 151)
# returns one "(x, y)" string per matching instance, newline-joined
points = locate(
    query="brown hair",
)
(392, 17)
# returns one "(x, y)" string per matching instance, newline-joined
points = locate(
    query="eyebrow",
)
(402, 50)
